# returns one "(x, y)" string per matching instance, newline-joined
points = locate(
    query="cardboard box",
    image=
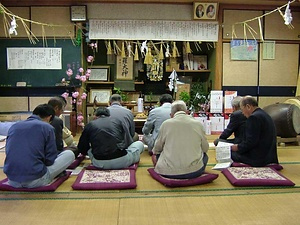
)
(217, 124)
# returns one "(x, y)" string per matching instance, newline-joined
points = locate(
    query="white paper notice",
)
(153, 30)
(223, 156)
(34, 58)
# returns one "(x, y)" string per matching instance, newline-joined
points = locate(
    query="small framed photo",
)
(205, 11)
(99, 73)
(124, 68)
(100, 95)
(200, 62)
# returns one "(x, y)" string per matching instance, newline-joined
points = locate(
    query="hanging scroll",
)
(153, 30)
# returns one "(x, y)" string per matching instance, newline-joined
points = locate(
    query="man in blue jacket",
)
(32, 159)
(259, 146)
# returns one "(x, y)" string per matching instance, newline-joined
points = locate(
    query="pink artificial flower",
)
(83, 96)
(80, 118)
(81, 70)
(83, 78)
(90, 59)
(80, 124)
(69, 72)
(93, 45)
(79, 102)
(78, 77)
(88, 73)
(75, 94)
(65, 95)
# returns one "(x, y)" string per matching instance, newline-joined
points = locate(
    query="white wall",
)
(140, 11)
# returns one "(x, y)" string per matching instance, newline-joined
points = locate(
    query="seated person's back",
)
(32, 159)
(124, 116)
(155, 118)
(181, 145)
(236, 124)
(103, 140)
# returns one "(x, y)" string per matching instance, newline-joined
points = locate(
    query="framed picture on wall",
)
(100, 73)
(100, 95)
(205, 11)
(124, 68)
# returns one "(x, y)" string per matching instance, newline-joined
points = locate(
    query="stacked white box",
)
(216, 102)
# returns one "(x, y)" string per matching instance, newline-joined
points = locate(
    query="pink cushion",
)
(4, 186)
(272, 165)
(92, 167)
(255, 176)
(203, 179)
(105, 179)
(76, 162)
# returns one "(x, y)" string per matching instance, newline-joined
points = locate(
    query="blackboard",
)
(71, 58)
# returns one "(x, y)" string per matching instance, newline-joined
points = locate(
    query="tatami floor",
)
(152, 203)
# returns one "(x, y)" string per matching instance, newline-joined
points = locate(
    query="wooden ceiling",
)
(81, 2)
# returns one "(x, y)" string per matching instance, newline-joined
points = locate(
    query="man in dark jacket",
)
(259, 146)
(236, 125)
(102, 139)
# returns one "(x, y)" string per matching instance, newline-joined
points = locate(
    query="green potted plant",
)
(185, 96)
(123, 95)
(198, 97)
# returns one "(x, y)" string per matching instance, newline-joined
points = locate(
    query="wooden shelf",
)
(109, 82)
(99, 82)
(190, 71)
(106, 104)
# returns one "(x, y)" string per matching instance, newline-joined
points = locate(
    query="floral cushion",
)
(203, 179)
(272, 165)
(105, 179)
(256, 176)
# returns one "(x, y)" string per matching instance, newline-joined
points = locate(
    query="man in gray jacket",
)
(155, 118)
(125, 117)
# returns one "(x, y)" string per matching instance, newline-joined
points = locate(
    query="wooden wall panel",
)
(35, 101)
(23, 12)
(13, 104)
(52, 15)
(120, 11)
(276, 29)
(238, 73)
(233, 16)
(265, 101)
(283, 70)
